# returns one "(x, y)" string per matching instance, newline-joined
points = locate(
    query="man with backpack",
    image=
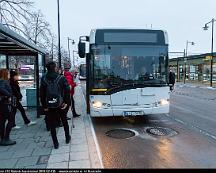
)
(55, 98)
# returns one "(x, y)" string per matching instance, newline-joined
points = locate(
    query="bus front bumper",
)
(120, 111)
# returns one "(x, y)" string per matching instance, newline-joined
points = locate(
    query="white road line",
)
(96, 141)
(94, 135)
(194, 127)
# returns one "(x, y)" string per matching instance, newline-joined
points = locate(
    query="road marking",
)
(96, 142)
(93, 133)
(204, 132)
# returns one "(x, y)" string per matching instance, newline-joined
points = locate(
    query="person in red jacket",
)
(72, 84)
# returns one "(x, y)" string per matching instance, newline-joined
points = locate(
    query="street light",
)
(59, 44)
(212, 46)
(69, 47)
(185, 57)
(73, 42)
(74, 51)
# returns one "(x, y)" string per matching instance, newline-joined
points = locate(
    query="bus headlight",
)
(164, 102)
(97, 104)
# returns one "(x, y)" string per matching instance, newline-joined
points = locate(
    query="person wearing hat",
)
(14, 77)
(72, 84)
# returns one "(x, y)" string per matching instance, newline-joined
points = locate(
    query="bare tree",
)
(15, 14)
(38, 29)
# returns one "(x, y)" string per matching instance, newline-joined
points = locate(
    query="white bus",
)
(127, 72)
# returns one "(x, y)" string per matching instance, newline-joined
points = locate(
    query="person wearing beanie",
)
(14, 77)
(72, 84)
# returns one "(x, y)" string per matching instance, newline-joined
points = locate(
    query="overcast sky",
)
(183, 19)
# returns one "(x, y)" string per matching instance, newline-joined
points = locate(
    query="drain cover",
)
(160, 131)
(121, 133)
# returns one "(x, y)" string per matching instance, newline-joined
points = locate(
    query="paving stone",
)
(23, 153)
(79, 164)
(41, 144)
(41, 151)
(62, 149)
(55, 158)
(77, 141)
(78, 138)
(48, 144)
(26, 161)
(77, 148)
(4, 148)
(6, 155)
(26, 135)
(41, 166)
(8, 163)
(63, 165)
(19, 147)
(81, 155)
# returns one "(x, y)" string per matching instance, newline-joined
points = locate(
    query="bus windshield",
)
(117, 65)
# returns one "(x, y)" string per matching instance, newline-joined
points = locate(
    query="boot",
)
(56, 145)
(76, 115)
(68, 138)
(68, 118)
(6, 142)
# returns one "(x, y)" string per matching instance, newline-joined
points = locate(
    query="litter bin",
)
(31, 97)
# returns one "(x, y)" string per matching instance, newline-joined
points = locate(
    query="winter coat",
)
(62, 82)
(16, 89)
(5, 88)
(70, 81)
(171, 78)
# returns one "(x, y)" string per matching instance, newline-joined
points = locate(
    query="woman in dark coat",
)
(5, 109)
(14, 77)
(171, 80)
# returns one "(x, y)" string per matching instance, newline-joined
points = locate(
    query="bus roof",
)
(94, 31)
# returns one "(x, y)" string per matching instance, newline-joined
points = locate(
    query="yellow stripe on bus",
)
(99, 89)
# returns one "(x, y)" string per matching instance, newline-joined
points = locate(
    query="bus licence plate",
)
(132, 113)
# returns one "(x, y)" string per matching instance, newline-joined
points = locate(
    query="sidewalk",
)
(195, 85)
(34, 148)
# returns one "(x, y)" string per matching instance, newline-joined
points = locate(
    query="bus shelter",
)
(18, 53)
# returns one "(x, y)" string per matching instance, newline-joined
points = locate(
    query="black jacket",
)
(171, 78)
(16, 89)
(63, 83)
(5, 88)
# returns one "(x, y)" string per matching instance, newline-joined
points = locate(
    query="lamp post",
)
(185, 57)
(69, 47)
(59, 37)
(212, 47)
(74, 51)
(73, 42)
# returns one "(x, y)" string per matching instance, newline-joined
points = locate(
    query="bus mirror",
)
(81, 49)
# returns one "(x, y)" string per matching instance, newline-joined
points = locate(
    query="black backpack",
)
(54, 94)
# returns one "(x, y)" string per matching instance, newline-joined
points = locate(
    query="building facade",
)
(196, 68)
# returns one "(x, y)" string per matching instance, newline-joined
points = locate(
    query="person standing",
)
(5, 109)
(14, 77)
(55, 98)
(171, 80)
(72, 84)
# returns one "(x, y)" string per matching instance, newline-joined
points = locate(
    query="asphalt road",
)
(193, 118)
